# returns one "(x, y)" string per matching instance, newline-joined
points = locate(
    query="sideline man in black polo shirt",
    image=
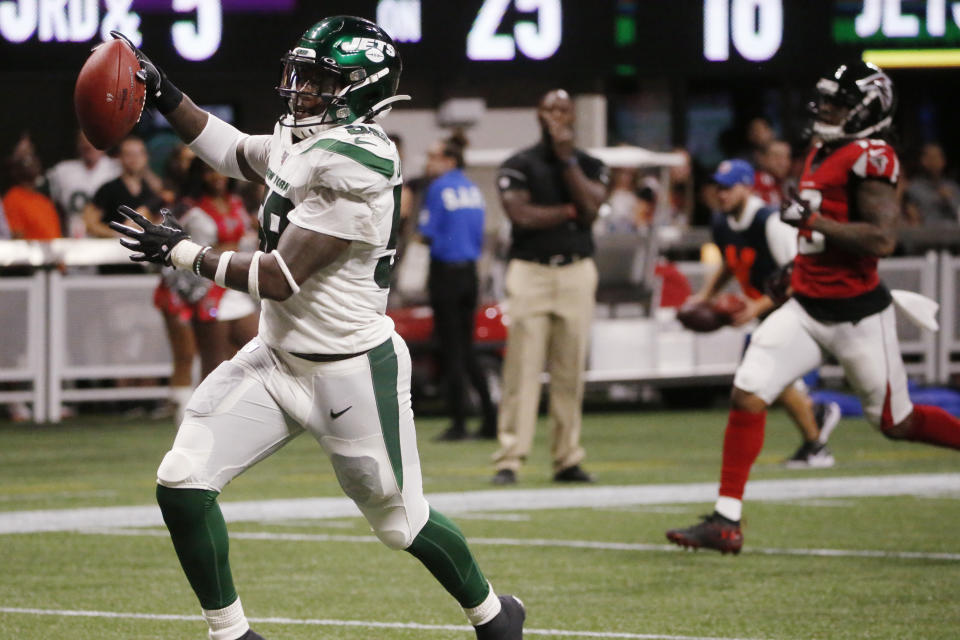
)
(551, 193)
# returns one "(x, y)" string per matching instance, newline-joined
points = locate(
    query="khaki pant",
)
(550, 310)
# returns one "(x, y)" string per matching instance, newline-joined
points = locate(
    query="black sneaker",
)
(488, 430)
(572, 474)
(828, 417)
(811, 455)
(505, 476)
(453, 434)
(713, 532)
(508, 624)
(251, 635)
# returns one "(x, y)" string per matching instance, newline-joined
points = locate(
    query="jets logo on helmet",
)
(368, 44)
(343, 69)
(867, 94)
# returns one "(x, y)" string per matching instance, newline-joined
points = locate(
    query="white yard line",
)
(543, 542)
(367, 624)
(499, 501)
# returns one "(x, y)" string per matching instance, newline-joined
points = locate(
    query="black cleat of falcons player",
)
(508, 624)
(251, 635)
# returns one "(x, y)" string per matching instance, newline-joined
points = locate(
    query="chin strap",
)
(383, 107)
(832, 132)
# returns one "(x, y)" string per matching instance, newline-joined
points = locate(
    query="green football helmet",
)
(343, 69)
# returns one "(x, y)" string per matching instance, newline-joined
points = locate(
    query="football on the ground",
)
(701, 317)
(728, 305)
(109, 96)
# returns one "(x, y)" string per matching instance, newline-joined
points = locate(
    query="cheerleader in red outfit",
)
(222, 320)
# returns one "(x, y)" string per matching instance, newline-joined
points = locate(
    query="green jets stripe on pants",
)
(383, 369)
(372, 161)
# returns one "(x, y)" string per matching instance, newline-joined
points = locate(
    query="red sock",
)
(741, 446)
(933, 425)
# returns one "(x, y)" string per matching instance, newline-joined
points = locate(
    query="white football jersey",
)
(344, 182)
(72, 185)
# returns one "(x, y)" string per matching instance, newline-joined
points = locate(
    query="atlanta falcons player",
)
(846, 215)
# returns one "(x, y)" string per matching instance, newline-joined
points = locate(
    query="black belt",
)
(326, 357)
(557, 260)
(461, 264)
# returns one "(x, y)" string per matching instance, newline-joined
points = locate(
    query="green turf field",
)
(836, 565)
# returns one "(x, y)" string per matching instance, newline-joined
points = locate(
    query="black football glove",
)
(796, 211)
(155, 242)
(161, 93)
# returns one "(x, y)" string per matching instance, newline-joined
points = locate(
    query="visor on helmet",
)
(310, 87)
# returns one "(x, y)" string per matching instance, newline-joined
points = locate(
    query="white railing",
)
(23, 309)
(104, 327)
(949, 336)
(61, 330)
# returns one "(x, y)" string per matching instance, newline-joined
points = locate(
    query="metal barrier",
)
(104, 327)
(949, 335)
(62, 330)
(23, 302)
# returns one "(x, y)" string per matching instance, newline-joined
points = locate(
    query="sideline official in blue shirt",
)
(452, 223)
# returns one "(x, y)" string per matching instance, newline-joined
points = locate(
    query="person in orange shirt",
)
(30, 214)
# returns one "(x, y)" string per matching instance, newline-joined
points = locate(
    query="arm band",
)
(286, 272)
(253, 276)
(220, 278)
(184, 253)
(217, 145)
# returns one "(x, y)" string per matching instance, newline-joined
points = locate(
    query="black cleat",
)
(572, 474)
(508, 624)
(811, 455)
(251, 635)
(504, 476)
(713, 532)
(828, 417)
(453, 434)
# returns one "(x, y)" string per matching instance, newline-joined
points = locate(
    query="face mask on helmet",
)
(853, 103)
(313, 91)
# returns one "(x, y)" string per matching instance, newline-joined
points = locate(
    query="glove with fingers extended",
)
(161, 93)
(152, 242)
(797, 212)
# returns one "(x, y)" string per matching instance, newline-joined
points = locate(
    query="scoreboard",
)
(550, 39)
(569, 42)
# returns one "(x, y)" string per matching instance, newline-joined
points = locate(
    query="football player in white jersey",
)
(326, 360)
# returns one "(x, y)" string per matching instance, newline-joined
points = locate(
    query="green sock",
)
(199, 536)
(442, 549)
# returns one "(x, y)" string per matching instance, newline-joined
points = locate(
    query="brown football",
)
(701, 317)
(109, 96)
(728, 304)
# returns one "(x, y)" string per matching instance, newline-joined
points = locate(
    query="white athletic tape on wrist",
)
(253, 276)
(220, 277)
(217, 145)
(184, 253)
(286, 272)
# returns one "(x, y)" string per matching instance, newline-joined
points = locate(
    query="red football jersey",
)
(822, 270)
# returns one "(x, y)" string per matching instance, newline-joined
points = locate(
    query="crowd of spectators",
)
(928, 192)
